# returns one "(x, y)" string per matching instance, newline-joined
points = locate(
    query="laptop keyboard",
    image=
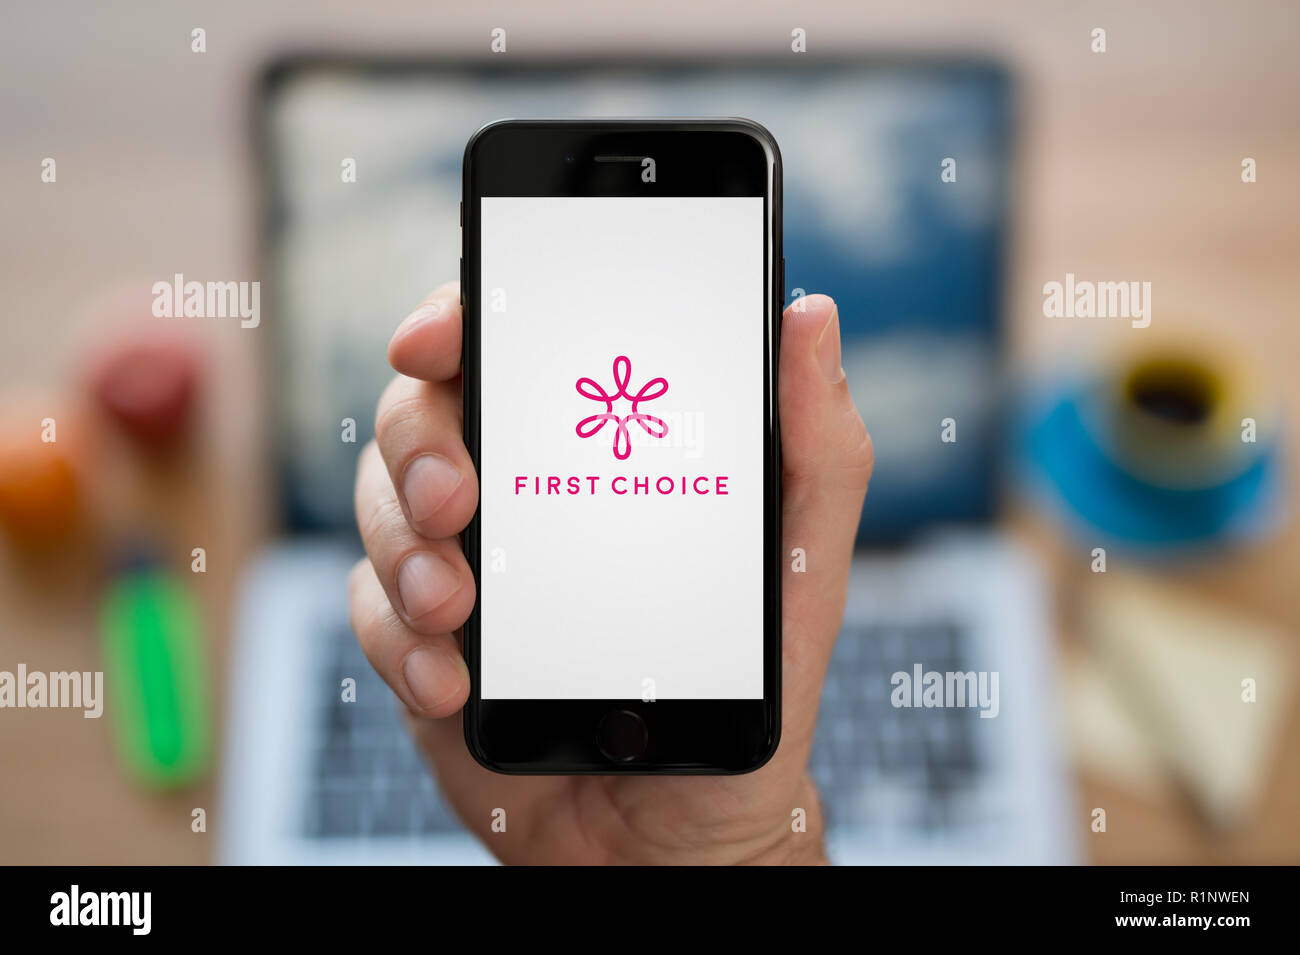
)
(883, 768)
(368, 779)
(877, 768)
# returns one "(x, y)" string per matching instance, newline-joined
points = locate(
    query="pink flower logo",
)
(654, 388)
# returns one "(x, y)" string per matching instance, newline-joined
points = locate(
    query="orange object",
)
(38, 491)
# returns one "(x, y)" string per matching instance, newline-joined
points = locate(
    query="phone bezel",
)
(693, 157)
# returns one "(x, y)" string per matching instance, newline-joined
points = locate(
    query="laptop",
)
(874, 216)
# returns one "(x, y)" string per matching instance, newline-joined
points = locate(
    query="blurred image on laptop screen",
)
(912, 260)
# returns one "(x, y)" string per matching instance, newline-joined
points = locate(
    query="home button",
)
(621, 735)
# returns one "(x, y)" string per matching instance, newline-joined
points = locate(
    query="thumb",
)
(826, 463)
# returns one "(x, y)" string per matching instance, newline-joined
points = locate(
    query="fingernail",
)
(429, 480)
(424, 582)
(431, 676)
(828, 348)
(424, 313)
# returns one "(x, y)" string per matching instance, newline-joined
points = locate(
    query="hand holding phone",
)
(417, 488)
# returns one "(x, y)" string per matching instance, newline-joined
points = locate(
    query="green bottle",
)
(155, 676)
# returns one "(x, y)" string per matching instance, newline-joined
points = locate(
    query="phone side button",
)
(622, 735)
(462, 284)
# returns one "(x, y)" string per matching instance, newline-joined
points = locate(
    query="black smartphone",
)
(622, 283)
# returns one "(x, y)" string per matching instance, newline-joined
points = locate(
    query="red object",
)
(148, 388)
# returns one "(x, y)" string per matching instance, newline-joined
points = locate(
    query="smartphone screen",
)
(621, 283)
(623, 423)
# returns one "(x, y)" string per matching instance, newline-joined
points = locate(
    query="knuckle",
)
(399, 405)
(860, 452)
(363, 490)
(376, 523)
(360, 612)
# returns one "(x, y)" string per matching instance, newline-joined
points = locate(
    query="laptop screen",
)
(895, 204)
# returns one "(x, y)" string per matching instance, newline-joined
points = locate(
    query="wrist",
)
(802, 838)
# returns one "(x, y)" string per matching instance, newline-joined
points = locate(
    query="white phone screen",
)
(622, 446)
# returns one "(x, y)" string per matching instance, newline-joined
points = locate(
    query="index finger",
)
(427, 343)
